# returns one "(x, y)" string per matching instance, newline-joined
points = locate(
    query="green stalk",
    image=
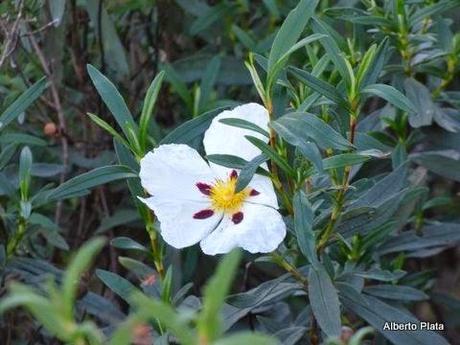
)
(340, 199)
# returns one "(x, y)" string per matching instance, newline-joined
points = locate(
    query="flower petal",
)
(261, 230)
(172, 172)
(224, 139)
(179, 227)
(266, 193)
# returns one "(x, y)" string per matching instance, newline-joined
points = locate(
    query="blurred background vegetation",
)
(201, 46)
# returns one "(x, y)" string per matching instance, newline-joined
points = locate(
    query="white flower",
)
(196, 202)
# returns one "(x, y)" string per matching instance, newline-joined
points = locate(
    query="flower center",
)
(223, 196)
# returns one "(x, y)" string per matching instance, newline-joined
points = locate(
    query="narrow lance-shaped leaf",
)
(122, 287)
(324, 301)
(112, 99)
(147, 109)
(109, 129)
(376, 65)
(90, 179)
(308, 126)
(445, 163)
(188, 131)
(241, 123)
(72, 276)
(207, 82)
(278, 66)
(215, 293)
(319, 86)
(246, 174)
(290, 30)
(308, 149)
(343, 160)
(332, 49)
(22, 103)
(378, 314)
(390, 94)
(272, 154)
(303, 223)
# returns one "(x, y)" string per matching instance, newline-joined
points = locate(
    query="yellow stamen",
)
(224, 198)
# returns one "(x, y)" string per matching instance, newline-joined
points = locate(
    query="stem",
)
(448, 76)
(283, 263)
(13, 244)
(340, 199)
(156, 249)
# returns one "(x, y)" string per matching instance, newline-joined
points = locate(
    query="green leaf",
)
(324, 301)
(319, 86)
(247, 338)
(80, 263)
(90, 179)
(391, 95)
(399, 155)
(332, 49)
(278, 66)
(256, 78)
(147, 109)
(22, 103)
(120, 217)
(290, 30)
(243, 37)
(6, 154)
(178, 85)
(113, 100)
(21, 138)
(378, 313)
(445, 163)
(343, 160)
(215, 292)
(109, 129)
(206, 19)
(376, 65)
(123, 242)
(386, 188)
(114, 51)
(307, 126)
(303, 224)
(192, 129)
(41, 308)
(125, 157)
(117, 284)
(432, 10)
(25, 164)
(207, 82)
(433, 236)
(424, 108)
(365, 65)
(368, 20)
(396, 292)
(228, 161)
(246, 174)
(272, 154)
(241, 123)
(267, 293)
(57, 9)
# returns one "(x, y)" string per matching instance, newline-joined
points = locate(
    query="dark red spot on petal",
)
(234, 174)
(237, 217)
(253, 192)
(203, 214)
(204, 188)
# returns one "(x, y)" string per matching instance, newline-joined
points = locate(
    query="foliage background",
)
(201, 46)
